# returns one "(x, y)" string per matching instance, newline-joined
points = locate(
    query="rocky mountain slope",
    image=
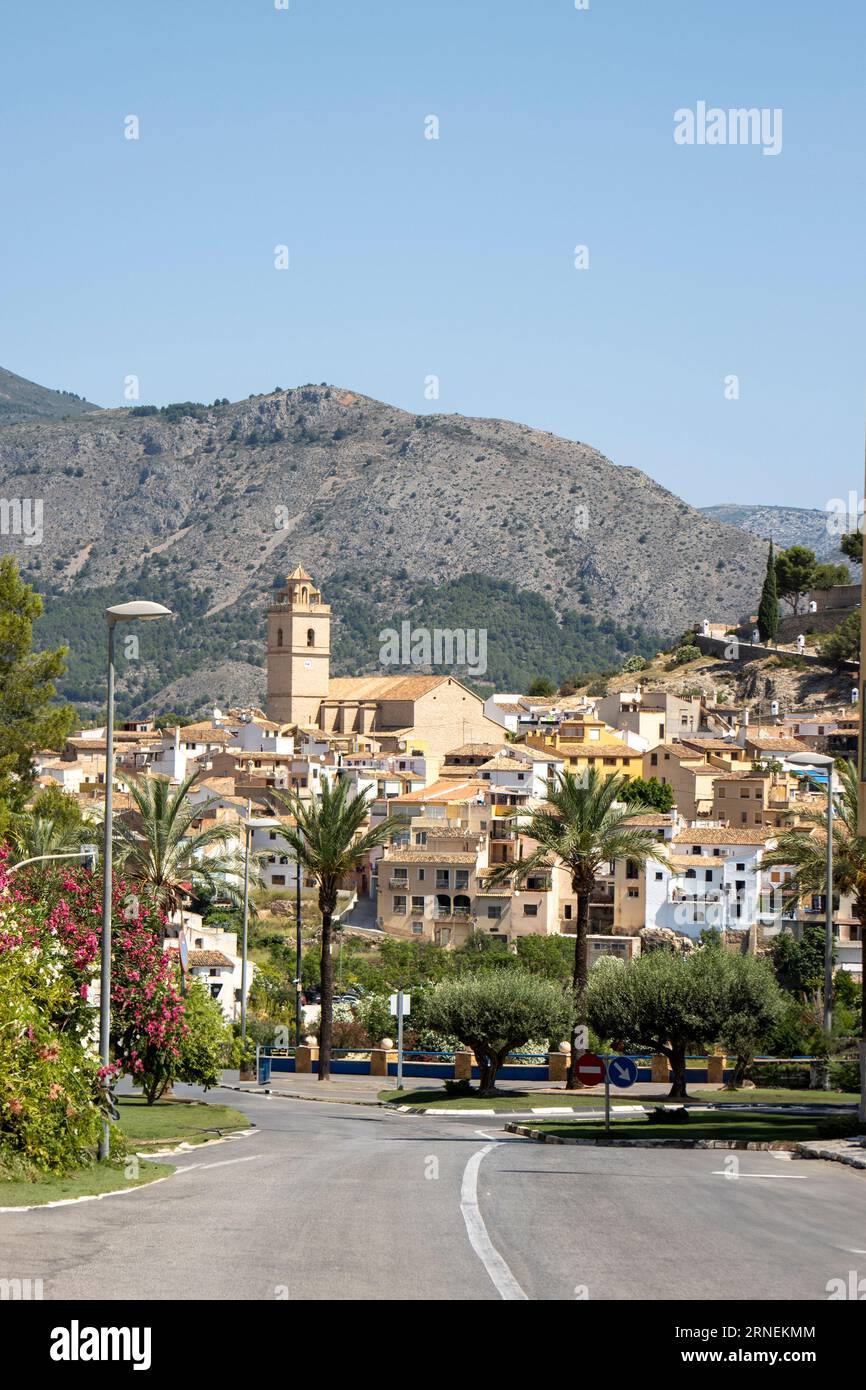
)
(24, 400)
(786, 526)
(212, 504)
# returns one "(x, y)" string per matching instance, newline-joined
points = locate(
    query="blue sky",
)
(455, 257)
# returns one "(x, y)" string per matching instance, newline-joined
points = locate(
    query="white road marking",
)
(224, 1163)
(503, 1280)
(790, 1177)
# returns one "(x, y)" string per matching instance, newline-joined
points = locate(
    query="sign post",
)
(621, 1072)
(400, 1005)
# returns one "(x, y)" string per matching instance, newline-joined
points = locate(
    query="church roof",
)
(383, 687)
(300, 573)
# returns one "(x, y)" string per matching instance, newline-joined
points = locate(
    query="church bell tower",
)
(299, 651)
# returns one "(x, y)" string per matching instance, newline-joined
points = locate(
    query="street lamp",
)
(824, 763)
(250, 824)
(139, 610)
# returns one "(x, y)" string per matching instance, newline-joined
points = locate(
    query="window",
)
(633, 893)
(400, 904)
(421, 837)
(708, 875)
(654, 759)
(278, 880)
(741, 869)
(311, 637)
(566, 912)
(461, 878)
(417, 928)
(494, 911)
(421, 875)
(530, 909)
(279, 636)
(631, 869)
(443, 878)
(417, 904)
(659, 875)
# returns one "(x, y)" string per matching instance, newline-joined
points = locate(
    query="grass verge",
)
(506, 1100)
(759, 1097)
(175, 1121)
(88, 1182)
(764, 1128)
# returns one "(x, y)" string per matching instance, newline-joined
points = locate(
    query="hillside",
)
(24, 400)
(208, 506)
(785, 526)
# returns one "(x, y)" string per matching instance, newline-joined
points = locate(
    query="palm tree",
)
(586, 823)
(163, 854)
(329, 844)
(805, 849)
(36, 837)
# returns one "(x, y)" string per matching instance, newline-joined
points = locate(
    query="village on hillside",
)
(717, 773)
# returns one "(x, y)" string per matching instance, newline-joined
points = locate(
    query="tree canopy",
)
(30, 718)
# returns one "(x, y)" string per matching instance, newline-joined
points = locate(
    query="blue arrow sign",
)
(622, 1072)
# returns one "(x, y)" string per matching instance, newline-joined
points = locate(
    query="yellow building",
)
(587, 743)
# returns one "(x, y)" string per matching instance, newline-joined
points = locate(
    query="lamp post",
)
(298, 949)
(250, 824)
(139, 610)
(824, 763)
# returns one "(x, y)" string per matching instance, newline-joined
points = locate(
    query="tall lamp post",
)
(298, 949)
(139, 610)
(250, 823)
(823, 763)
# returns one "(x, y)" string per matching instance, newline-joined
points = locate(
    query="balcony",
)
(398, 883)
(456, 914)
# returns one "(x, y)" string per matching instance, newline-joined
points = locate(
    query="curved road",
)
(330, 1201)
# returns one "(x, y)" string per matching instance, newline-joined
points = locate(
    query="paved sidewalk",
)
(364, 1090)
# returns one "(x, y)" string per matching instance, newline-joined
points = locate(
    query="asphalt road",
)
(328, 1201)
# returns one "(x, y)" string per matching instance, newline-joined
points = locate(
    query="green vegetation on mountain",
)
(525, 637)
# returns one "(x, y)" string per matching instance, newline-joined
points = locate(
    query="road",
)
(330, 1201)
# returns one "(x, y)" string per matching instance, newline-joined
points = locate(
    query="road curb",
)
(185, 1147)
(760, 1145)
(810, 1149)
(297, 1095)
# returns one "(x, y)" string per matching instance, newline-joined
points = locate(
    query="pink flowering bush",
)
(51, 1093)
(49, 1079)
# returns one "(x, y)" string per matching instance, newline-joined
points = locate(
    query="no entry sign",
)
(590, 1069)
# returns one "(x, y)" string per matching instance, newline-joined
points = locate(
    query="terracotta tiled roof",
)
(210, 958)
(777, 743)
(383, 687)
(477, 750)
(446, 789)
(716, 835)
(423, 856)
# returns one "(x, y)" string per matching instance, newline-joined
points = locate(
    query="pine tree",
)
(768, 608)
(29, 716)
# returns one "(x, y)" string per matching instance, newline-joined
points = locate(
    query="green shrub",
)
(845, 1076)
(661, 1115)
(49, 1085)
(203, 1046)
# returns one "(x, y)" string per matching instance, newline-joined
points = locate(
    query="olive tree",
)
(664, 1001)
(493, 1012)
(753, 1005)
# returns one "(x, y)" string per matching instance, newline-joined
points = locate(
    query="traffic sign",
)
(622, 1072)
(590, 1069)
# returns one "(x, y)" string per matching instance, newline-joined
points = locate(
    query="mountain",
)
(785, 526)
(24, 400)
(397, 516)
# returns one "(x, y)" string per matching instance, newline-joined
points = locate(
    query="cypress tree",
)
(768, 608)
